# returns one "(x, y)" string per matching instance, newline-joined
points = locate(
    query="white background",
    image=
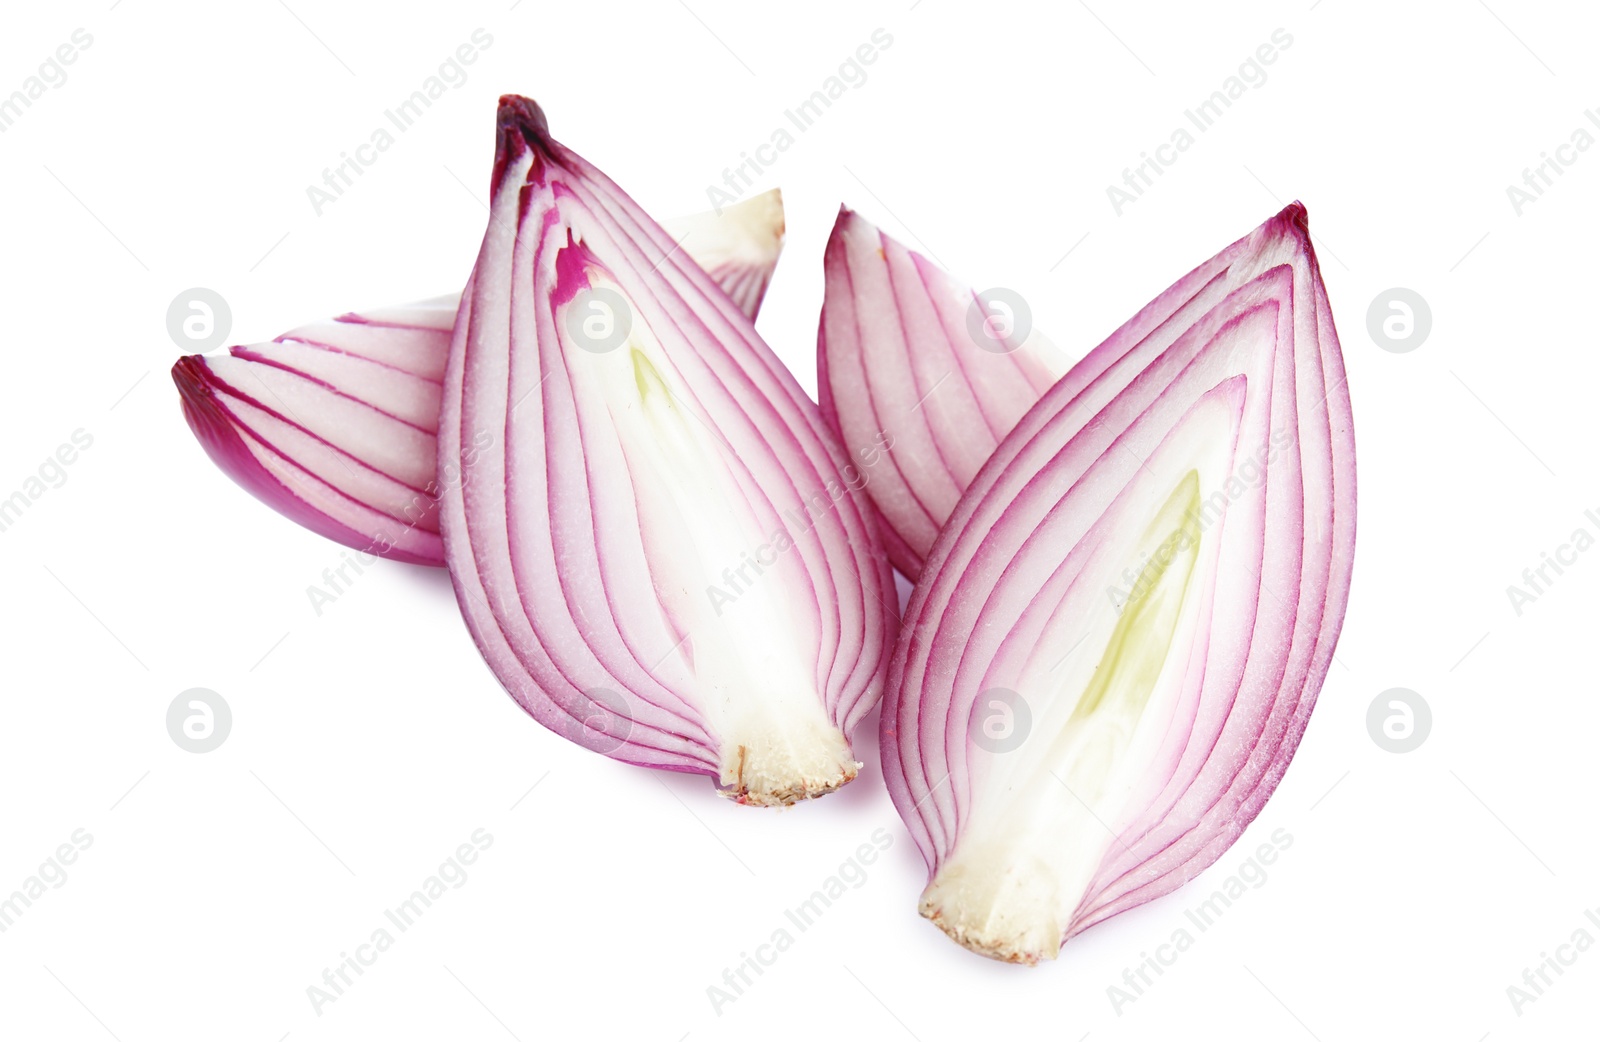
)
(369, 742)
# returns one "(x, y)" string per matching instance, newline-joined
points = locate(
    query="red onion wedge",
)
(738, 247)
(908, 356)
(333, 424)
(1118, 638)
(662, 551)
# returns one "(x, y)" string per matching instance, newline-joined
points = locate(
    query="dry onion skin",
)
(333, 424)
(1118, 637)
(663, 553)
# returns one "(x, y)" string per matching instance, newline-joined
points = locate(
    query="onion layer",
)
(333, 424)
(910, 358)
(1118, 638)
(660, 552)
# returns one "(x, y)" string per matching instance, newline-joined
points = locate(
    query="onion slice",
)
(912, 363)
(660, 551)
(333, 424)
(738, 247)
(1117, 641)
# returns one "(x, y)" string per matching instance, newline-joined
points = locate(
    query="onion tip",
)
(520, 124)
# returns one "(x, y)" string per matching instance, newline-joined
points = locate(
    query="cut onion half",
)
(661, 551)
(333, 424)
(1118, 638)
(913, 364)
